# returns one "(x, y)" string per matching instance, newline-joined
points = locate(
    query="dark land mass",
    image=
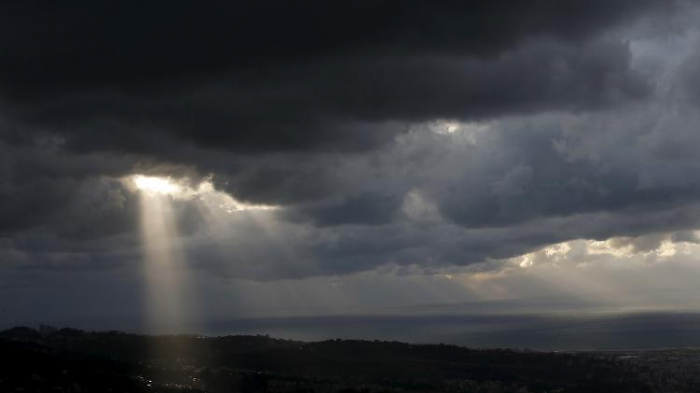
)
(69, 360)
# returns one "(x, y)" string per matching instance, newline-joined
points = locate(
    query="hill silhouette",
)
(70, 360)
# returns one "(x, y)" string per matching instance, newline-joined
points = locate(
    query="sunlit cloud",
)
(185, 189)
(224, 201)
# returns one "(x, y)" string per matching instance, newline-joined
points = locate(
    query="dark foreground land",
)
(68, 360)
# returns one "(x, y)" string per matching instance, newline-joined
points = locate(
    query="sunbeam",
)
(164, 259)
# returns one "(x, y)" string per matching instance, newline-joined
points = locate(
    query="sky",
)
(164, 164)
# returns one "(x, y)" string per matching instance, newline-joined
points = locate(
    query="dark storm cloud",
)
(71, 45)
(352, 209)
(41, 185)
(278, 75)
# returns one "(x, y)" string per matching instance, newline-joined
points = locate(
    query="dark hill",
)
(70, 360)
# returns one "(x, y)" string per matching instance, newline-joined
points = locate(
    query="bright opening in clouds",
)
(156, 185)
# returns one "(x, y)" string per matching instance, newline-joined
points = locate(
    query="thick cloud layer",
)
(274, 75)
(413, 134)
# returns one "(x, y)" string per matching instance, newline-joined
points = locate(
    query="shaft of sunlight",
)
(166, 306)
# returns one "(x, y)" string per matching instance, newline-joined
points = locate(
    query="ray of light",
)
(167, 305)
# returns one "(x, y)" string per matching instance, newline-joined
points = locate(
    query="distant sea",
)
(578, 329)
(558, 332)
